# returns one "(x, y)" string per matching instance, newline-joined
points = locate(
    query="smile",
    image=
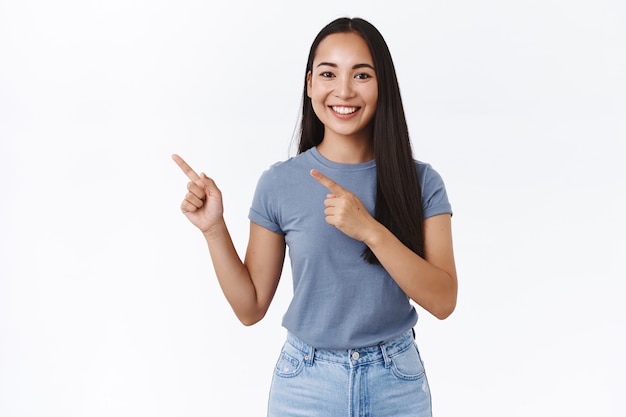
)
(344, 110)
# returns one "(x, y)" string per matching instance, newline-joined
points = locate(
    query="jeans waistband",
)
(356, 356)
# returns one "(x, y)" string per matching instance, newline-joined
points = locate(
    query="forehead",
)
(345, 47)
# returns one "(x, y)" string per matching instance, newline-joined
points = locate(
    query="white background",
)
(108, 303)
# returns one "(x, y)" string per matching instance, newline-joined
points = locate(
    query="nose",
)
(344, 88)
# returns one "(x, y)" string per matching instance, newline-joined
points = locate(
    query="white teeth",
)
(344, 110)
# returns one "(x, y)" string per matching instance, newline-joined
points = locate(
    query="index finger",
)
(189, 172)
(326, 182)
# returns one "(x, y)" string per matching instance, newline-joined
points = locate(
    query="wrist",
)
(375, 235)
(214, 230)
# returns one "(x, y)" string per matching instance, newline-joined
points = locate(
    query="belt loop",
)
(308, 358)
(383, 349)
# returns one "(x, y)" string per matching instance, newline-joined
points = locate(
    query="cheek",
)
(371, 105)
(317, 103)
(372, 97)
(372, 101)
(320, 110)
(318, 97)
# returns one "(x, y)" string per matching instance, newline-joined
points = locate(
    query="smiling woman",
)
(343, 90)
(381, 239)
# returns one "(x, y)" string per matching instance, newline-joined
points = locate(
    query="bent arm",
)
(249, 286)
(430, 281)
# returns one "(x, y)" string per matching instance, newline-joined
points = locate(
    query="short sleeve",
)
(263, 210)
(434, 195)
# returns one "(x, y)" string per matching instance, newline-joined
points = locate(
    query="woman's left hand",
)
(344, 210)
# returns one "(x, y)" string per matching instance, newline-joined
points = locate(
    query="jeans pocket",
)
(407, 364)
(288, 366)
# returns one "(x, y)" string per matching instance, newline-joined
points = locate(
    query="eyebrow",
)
(357, 66)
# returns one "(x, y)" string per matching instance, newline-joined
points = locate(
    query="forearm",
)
(431, 287)
(430, 281)
(232, 275)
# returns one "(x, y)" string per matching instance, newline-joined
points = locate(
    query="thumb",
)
(208, 183)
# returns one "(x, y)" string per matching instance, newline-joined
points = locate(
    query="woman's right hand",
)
(203, 202)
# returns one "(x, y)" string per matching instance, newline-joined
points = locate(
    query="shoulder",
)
(434, 194)
(285, 171)
(427, 174)
(291, 163)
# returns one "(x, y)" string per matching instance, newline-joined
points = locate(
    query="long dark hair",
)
(398, 190)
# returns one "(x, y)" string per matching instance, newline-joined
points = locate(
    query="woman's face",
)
(342, 86)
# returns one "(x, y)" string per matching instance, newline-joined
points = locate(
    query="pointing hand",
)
(344, 210)
(203, 202)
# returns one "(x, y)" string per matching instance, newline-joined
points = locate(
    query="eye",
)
(362, 76)
(327, 74)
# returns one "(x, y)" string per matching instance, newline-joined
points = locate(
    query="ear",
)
(308, 84)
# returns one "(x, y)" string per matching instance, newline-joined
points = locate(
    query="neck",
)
(346, 150)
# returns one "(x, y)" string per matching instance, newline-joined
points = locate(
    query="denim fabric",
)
(377, 381)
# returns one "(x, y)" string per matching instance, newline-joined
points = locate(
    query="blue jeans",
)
(377, 381)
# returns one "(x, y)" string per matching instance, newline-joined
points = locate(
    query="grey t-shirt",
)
(339, 300)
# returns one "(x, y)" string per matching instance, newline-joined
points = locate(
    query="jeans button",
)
(355, 355)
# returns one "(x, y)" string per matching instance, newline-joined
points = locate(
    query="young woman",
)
(368, 229)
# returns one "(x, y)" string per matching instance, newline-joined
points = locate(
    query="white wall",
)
(108, 305)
